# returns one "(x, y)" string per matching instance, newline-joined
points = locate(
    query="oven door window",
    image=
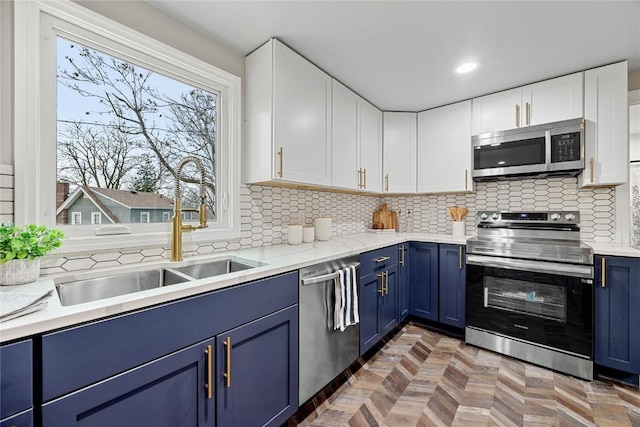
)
(528, 298)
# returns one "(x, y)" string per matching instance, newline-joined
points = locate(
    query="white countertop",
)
(278, 259)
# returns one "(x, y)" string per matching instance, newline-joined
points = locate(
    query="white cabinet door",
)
(552, 100)
(344, 140)
(287, 118)
(370, 146)
(607, 131)
(498, 111)
(302, 119)
(399, 152)
(444, 149)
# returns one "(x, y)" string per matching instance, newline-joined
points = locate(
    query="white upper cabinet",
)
(399, 152)
(607, 131)
(544, 102)
(356, 153)
(288, 118)
(444, 149)
(370, 147)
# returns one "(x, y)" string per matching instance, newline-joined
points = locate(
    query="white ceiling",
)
(400, 55)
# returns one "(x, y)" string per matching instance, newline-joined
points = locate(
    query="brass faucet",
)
(177, 227)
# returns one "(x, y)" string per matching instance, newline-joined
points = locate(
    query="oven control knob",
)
(569, 217)
(555, 216)
(495, 216)
(484, 216)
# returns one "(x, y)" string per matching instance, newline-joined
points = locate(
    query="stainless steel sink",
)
(214, 268)
(81, 291)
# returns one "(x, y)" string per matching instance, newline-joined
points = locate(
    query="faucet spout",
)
(177, 227)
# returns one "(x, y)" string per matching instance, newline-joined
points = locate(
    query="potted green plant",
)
(21, 250)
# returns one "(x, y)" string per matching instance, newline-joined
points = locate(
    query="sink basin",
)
(214, 268)
(81, 291)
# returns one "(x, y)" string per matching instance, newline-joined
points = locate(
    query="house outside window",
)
(75, 61)
(76, 218)
(96, 218)
(144, 217)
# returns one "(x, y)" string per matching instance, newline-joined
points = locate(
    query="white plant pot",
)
(19, 271)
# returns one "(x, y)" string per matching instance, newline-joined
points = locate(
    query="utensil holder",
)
(308, 233)
(294, 234)
(323, 229)
(457, 228)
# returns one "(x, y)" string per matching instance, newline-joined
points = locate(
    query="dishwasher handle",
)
(324, 277)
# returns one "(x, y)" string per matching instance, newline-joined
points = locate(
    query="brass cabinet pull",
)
(382, 259)
(528, 113)
(209, 384)
(604, 274)
(466, 179)
(381, 276)
(227, 374)
(402, 253)
(386, 183)
(360, 178)
(592, 167)
(281, 154)
(517, 116)
(460, 257)
(364, 178)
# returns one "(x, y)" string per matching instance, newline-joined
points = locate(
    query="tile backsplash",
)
(266, 212)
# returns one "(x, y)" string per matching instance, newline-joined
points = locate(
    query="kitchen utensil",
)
(386, 217)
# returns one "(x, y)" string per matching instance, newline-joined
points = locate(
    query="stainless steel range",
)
(529, 291)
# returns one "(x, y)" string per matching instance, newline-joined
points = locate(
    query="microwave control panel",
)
(565, 147)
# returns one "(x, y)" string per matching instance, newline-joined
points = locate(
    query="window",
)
(166, 216)
(75, 117)
(144, 217)
(76, 218)
(96, 218)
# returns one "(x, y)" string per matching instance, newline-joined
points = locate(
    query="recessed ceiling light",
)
(467, 67)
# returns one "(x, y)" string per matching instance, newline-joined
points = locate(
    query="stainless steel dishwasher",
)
(324, 353)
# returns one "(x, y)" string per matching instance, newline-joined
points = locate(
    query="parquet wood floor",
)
(422, 378)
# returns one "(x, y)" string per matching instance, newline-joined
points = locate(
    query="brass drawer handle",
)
(209, 384)
(381, 276)
(382, 259)
(227, 374)
(402, 249)
(460, 257)
(604, 274)
(386, 282)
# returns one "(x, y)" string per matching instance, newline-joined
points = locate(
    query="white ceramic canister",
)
(294, 234)
(457, 228)
(308, 233)
(323, 228)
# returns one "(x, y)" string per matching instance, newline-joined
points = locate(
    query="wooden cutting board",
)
(386, 217)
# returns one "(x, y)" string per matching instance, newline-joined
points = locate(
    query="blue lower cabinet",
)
(15, 378)
(452, 273)
(423, 280)
(23, 419)
(170, 391)
(617, 313)
(388, 315)
(403, 289)
(369, 289)
(257, 371)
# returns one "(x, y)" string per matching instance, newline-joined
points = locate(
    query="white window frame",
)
(75, 215)
(166, 216)
(36, 25)
(95, 215)
(145, 214)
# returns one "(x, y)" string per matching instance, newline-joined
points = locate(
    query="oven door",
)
(546, 303)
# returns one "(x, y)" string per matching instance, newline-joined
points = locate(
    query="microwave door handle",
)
(547, 150)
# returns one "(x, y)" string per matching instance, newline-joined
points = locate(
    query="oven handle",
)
(571, 270)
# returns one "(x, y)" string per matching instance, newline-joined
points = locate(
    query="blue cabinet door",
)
(423, 280)
(369, 289)
(388, 314)
(452, 273)
(403, 290)
(15, 378)
(170, 391)
(257, 371)
(617, 313)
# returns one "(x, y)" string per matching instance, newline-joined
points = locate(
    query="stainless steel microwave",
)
(548, 149)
